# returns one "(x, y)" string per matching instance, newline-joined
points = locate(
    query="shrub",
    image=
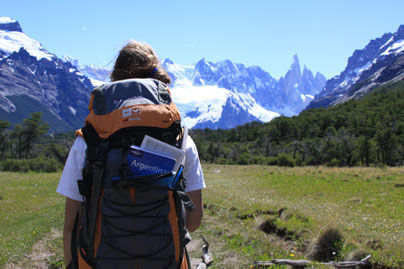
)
(261, 160)
(223, 161)
(285, 160)
(243, 159)
(299, 160)
(14, 165)
(334, 162)
(37, 165)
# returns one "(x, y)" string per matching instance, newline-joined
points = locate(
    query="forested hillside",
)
(367, 131)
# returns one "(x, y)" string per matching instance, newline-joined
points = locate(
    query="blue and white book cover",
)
(144, 162)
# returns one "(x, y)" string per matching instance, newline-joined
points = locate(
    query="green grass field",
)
(365, 204)
(30, 209)
(292, 205)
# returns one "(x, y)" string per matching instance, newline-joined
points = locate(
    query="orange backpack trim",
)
(161, 116)
(161, 113)
(172, 216)
(82, 263)
(97, 232)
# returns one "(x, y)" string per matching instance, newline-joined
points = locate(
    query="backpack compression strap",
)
(90, 186)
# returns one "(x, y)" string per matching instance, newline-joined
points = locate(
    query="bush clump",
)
(285, 160)
(334, 163)
(36, 165)
(244, 158)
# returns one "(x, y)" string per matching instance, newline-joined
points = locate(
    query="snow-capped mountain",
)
(208, 92)
(211, 105)
(97, 75)
(225, 94)
(287, 95)
(380, 62)
(12, 39)
(214, 95)
(34, 80)
(214, 106)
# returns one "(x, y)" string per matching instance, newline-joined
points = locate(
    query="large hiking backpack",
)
(130, 222)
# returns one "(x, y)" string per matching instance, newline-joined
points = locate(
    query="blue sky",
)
(265, 33)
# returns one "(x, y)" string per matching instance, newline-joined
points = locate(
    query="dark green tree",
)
(17, 143)
(3, 136)
(346, 144)
(28, 133)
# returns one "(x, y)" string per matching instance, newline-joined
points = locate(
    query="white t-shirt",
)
(75, 163)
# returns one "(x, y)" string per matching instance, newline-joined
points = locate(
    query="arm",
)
(194, 218)
(71, 209)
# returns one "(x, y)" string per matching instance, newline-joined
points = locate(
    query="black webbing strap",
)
(98, 171)
(180, 189)
(187, 256)
(74, 244)
(124, 168)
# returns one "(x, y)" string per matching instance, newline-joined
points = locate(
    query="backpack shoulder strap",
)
(184, 143)
(180, 185)
(184, 138)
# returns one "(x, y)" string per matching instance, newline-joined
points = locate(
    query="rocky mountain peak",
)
(167, 62)
(7, 24)
(294, 75)
(380, 61)
(295, 66)
(321, 78)
(203, 65)
(295, 59)
(400, 30)
(69, 59)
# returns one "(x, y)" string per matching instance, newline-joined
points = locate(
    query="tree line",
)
(367, 131)
(30, 146)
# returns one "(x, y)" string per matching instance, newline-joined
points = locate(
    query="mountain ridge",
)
(214, 95)
(32, 79)
(381, 61)
(248, 86)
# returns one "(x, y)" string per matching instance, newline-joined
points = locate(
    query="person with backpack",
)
(116, 217)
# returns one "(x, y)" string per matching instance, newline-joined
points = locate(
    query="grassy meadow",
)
(295, 205)
(30, 211)
(251, 213)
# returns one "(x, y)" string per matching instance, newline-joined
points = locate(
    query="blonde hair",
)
(138, 60)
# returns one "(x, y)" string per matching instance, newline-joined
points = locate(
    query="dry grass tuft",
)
(355, 255)
(328, 246)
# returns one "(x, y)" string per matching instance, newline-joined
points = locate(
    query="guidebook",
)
(158, 147)
(145, 162)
